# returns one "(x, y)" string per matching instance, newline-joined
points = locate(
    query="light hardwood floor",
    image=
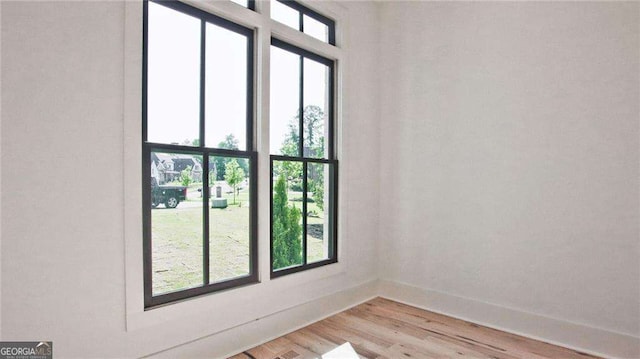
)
(381, 328)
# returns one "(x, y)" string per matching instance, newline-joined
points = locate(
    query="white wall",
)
(62, 188)
(509, 171)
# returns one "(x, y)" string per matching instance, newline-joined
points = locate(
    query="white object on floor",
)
(345, 351)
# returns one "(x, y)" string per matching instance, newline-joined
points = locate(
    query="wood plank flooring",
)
(381, 328)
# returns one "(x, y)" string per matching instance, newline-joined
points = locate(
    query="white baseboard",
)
(245, 336)
(582, 338)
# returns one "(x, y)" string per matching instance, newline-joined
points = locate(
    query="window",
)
(198, 162)
(249, 4)
(198, 158)
(304, 19)
(303, 165)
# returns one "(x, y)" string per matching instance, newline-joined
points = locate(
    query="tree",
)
(185, 176)
(292, 171)
(233, 175)
(230, 143)
(212, 177)
(313, 131)
(287, 232)
(317, 187)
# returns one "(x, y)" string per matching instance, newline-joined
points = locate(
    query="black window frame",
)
(151, 301)
(331, 160)
(303, 10)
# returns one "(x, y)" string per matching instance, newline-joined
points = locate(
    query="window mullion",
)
(301, 21)
(146, 167)
(333, 210)
(331, 109)
(203, 44)
(205, 220)
(250, 144)
(301, 110)
(302, 155)
(205, 157)
(146, 227)
(304, 213)
(145, 57)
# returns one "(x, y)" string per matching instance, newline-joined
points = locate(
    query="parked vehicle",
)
(169, 195)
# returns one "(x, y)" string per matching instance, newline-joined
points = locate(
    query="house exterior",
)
(166, 167)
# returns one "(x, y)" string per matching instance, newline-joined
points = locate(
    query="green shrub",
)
(287, 231)
(233, 174)
(185, 176)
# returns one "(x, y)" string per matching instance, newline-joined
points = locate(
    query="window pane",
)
(229, 234)
(173, 80)
(176, 221)
(318, 218)
(315, 28)
(284, 14)
(225, 89)
(316, 105)
(285, 102)
(286, 214)
(244, 3)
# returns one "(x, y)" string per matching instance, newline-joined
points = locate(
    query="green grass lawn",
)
(177, 241)
(176, 248)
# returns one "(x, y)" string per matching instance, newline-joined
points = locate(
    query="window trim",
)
(303, 10)
(151, 301)
(201, 310)
(330, 160)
